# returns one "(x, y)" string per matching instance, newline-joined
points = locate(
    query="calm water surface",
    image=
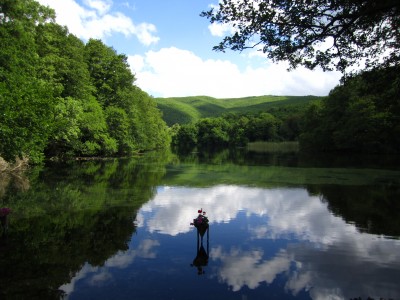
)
(280, 227)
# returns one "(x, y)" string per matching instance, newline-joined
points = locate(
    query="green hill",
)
(188, 109)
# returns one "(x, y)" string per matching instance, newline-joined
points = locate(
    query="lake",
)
(280, 226)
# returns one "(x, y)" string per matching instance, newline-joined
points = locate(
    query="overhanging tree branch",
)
(294, 30)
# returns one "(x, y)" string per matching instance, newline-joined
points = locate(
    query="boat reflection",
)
(202, 227)
(201, 259)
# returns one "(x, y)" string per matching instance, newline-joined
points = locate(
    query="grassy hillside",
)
(188, 109)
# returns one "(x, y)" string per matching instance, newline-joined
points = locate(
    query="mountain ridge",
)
(183, 110)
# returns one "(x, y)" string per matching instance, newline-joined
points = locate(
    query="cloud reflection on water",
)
(96, 276)
(333, 259)
(247, 268)
(323, 255)
(170, 210)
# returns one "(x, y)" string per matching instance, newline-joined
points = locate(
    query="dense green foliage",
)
(26, 100)
(183, 110)
(325, 33)
(60, 97)
(207, 122)
(235, 130)
(362, 115)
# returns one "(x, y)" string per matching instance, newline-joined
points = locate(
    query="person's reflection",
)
(202, 227)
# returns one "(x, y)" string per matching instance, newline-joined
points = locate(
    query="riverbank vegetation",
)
(61, 97)
(361, 115)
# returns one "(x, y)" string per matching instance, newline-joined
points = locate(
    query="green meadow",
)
(184, 110)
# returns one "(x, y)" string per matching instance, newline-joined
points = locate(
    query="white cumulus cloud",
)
(176, 72)
(220, 29)
(97, 20)
(101, 6)
(171, 71)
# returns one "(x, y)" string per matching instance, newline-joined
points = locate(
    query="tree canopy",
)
(60, 97)
(331, 34)
(25, 100)
(362, 115)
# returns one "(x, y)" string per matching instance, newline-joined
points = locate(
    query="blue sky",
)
(169, 49)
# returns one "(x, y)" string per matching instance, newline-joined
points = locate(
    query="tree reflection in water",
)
(4, 212)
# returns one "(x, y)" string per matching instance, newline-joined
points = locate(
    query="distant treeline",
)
(235, 130)
(360, 115)
(61, 97)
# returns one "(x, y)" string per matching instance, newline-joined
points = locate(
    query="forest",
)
(360, 39)
(361, 115)
(63, 98)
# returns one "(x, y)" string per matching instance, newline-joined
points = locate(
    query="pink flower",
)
(200, 211)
